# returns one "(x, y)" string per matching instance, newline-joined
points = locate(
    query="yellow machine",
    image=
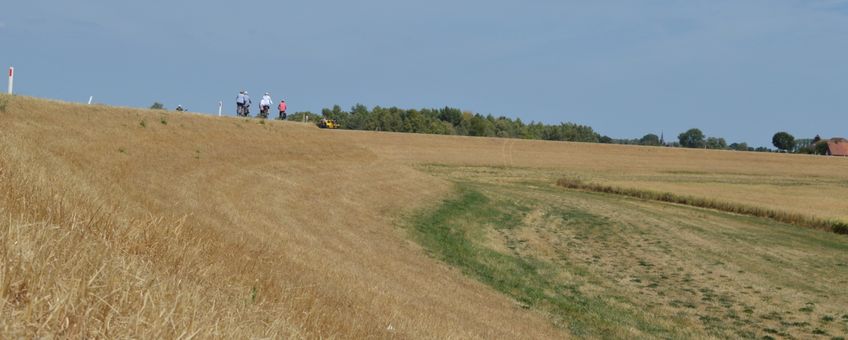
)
(328, 124)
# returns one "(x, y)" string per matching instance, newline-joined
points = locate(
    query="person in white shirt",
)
(265, 105)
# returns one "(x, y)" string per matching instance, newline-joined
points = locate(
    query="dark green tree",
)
(783, 141)
(414, 121)
(739, 146)
(821, 148)
(157, 106)
(692, 138)
(480, 126)
(650, 139)
(716, 143)
(451, 115)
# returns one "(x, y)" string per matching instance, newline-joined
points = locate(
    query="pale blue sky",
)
(737, 69)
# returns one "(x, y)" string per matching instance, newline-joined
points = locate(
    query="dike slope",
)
(121, 222)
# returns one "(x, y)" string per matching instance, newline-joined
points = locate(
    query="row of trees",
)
(451, 121)
(649, 140)
(785, 142)
(692, 138)
(695, 138)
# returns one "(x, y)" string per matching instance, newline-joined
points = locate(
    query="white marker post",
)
(11, 78)
(220, 107)
(90, 99)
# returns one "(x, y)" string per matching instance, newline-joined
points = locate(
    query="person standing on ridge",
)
(240, 104)
(282, 109)
(265, 105)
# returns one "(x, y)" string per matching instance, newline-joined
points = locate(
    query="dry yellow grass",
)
(218, 227)
(123, 222)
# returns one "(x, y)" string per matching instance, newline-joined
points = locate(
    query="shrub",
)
(820, 148)
(840, 227)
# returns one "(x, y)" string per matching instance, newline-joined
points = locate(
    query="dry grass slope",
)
(136, 223)
(74, 270)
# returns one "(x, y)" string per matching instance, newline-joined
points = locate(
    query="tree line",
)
(695, 138)
(452, 121)
(785, 142)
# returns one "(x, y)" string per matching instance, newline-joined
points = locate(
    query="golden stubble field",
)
(122, 222)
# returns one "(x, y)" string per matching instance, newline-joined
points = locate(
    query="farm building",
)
(837, 147)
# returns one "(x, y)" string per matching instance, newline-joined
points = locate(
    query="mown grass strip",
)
(442, 233)
(449, 232)
(838, 227)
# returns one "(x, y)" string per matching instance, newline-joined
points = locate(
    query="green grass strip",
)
(838, 227)
(448, 233)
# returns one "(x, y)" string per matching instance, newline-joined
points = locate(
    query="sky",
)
(737, 69)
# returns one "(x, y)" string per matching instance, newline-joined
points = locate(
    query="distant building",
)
(837, 147)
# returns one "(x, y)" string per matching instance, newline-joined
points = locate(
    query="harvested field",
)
(608, 266)
(122, 222)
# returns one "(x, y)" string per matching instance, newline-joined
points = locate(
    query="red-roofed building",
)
(837, 147)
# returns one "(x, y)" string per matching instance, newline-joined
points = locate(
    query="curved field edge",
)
(598, 275)
(448, 232)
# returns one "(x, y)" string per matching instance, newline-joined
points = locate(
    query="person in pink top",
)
(282, 109)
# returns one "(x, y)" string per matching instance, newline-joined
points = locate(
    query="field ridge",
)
(838, 227)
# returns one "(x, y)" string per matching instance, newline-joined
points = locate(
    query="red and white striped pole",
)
(11, 78)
